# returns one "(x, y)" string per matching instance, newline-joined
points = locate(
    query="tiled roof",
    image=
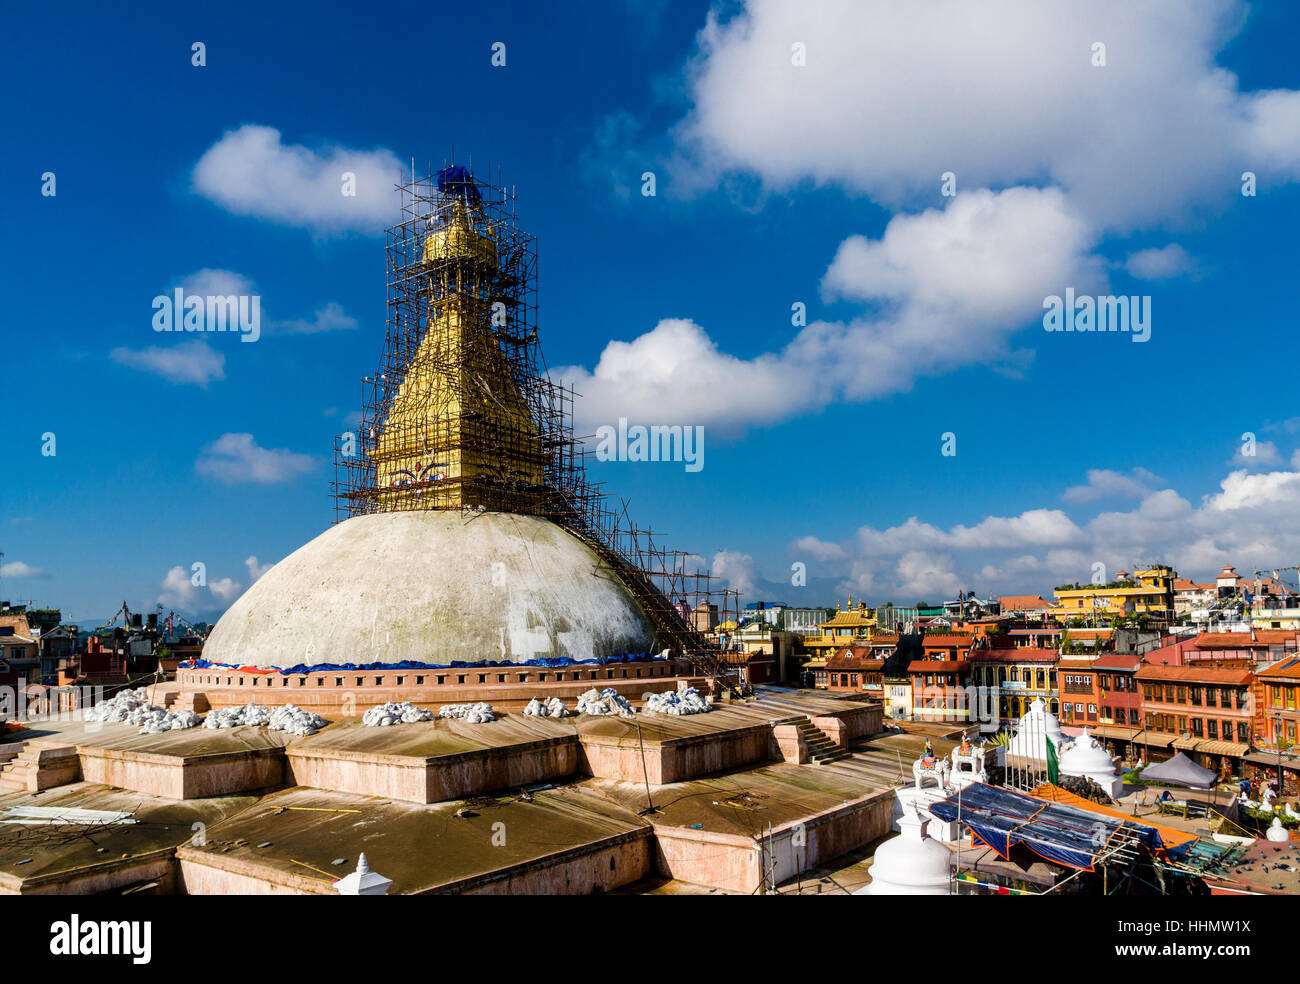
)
(947, 641)
(1287, 669)
(1117, 661)
(1227, 640)
(938, 666)
(853, 662)
(1194, 674)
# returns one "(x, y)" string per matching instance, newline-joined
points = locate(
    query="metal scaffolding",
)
(462, 413)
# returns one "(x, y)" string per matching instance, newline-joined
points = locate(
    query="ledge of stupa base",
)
(507, 687)
(114, 857)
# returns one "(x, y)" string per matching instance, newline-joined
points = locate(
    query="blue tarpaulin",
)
(1066, 835)
(456, 179)
(408, 664)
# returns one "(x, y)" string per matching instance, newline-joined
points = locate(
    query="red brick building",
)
(1080, 702)
(939, 690)
(854, 669)
(1119, 700)
(1205, 711)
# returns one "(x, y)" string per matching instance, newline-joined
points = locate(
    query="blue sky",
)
(776, 183)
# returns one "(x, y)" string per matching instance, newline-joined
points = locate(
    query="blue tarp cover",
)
(457, 180)
(408, 664)
(1055, 832)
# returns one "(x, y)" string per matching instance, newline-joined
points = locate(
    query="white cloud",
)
(331, 317)
(256, 569)
(817, 549)
(1159, 264)
(180, 592)
(238, 459)
(1105, 483)
(250, 172)
(17, 569)
(194, 361)
(1001, 93)
(1266, 455)
(1250, 522)
(948, 287)
(225, 590)
(737, 569)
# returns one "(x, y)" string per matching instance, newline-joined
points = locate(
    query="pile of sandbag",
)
(546, 708)
(395, 713)
(155, 721)
(479, 713)
(686, 701)
(288, 718)
(232, 717)
(604, 702)
(293, 720)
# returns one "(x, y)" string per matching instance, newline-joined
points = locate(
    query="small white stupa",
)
(912, 863)
(1087, 757)
(1033, 730)
(1276, 832)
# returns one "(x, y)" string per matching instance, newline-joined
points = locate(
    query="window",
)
(1243, 732)
(1212, 728)
(1197, 729)
(1194, 695)
(1210, 694)
(1092, 709)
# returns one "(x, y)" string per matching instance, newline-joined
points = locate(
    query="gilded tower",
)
(450, 426)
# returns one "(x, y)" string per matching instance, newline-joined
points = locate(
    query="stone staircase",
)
(41, 765)
(821, 749)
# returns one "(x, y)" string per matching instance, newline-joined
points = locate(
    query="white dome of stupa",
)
(1085, 757)
(911, 863)
(1032, 730)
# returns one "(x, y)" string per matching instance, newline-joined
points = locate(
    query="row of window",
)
(1225, 697)
(401, 681)
(996, 676)
(1199, 727)
(1118, 683)
(1280, 695)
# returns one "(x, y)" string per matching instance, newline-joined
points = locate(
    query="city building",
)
(1013, 679)
(938, 690)
(1148, 593)
(1204, 711)
(855, 669)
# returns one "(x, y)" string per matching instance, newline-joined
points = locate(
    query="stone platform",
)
(507, 687)
(418, 800)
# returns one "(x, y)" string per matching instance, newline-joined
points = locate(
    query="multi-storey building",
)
(1013, 679)
(1147, 592)
(1205, 711)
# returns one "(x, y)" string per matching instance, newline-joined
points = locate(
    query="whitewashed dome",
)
(1086, 757)
(1032, 730)
(433, 587)
(911, 863)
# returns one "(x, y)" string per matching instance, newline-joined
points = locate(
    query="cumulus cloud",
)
(1104, 483)
(946, 288)
(180, 592)
(1159, 264)
(331, 317)
(249, 171)
(238, 459)
(17, 569)
(1250, 521)
(1000, 93)
(1265, 455)
(194, 361)
(737, 569)
(256, 569)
